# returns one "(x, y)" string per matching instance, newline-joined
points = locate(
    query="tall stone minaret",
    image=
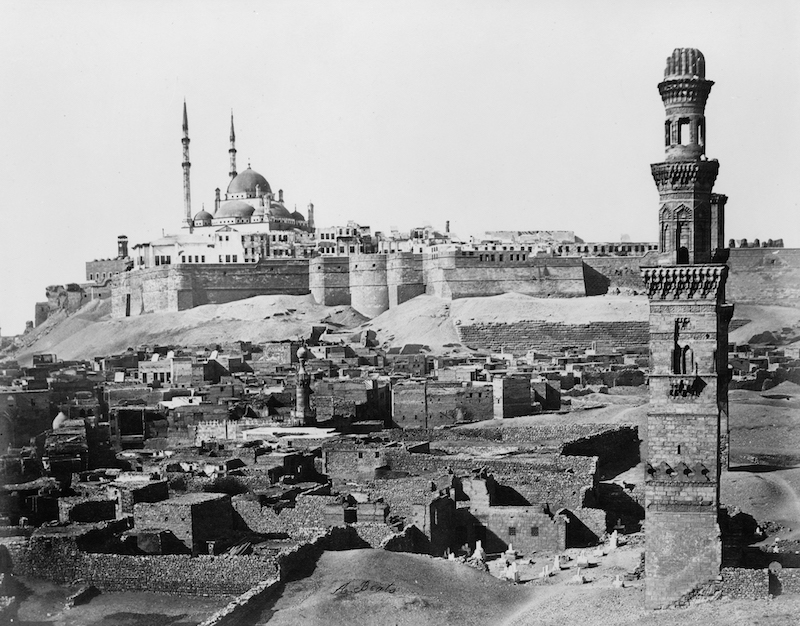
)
(690, 218)
(687, 422)
(232, 151)
(187, 193)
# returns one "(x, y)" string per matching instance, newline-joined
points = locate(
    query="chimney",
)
(447, 227)
(122, 247)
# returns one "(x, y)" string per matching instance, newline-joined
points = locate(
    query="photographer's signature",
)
(359, 586)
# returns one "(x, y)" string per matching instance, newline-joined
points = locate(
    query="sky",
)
(492, 114)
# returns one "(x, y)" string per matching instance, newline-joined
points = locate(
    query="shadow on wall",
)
(620, 506)
(596, 283)
(579, 535)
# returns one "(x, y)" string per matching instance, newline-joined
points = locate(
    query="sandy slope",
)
(763, 318)
(426, 320)
(92, 331)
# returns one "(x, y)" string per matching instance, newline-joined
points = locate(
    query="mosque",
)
(249, 224)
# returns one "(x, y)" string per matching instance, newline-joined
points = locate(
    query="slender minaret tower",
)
(187, 193)
(302, 415)
(690, 218)
(687, 422)
(232, 151)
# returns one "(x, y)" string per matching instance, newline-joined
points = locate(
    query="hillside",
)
(92, 331)
(425, 320)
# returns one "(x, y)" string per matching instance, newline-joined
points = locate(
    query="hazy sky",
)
(493, 115)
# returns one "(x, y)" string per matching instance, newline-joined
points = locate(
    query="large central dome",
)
(246, 183)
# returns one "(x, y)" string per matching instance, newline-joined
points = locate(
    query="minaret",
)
(187, 194)
(687, 422)
(232, 151)
(302, 415)
(686, 177)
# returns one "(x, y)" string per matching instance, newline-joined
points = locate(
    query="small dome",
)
(235, 208)
(302, 353)
(296, 215)
(203, 216)
(685, 63)
(59, 420)
(278, 210)
(247, 181)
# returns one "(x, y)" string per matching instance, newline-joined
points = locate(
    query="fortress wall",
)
(374, 282)
(519, 337)
(181, 287)
(329, 280)
(369, 290)
(454, 275)
(764, 276)
(405, 277)
(153, 289)
(605, 274)
(218, 284)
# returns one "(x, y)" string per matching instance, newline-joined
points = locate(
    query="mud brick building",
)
(687, 420)
(428, 404)
(194, 518)
(512, 396)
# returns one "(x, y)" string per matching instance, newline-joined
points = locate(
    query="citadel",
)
(252, 244)
(231, 470)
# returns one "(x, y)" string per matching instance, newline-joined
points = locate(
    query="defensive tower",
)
(687, 417)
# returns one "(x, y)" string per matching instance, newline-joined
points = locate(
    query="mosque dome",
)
(247, 181)
(278, 211)
(296, 215)
(235, 208)
(685, 63)
(203, 216)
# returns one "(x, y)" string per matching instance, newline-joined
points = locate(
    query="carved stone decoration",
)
(686, 282)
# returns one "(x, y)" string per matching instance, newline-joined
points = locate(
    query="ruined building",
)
(687, 419)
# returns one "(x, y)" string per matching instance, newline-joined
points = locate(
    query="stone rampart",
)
(519, 337)
(465, 274)
(608, 274)
(329, 280)
(181, 287)
(405, 277)
(764, 276)
(369, 289)
(375, 282)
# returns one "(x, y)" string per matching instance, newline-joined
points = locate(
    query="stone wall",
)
(764, 276)
(745, 584)
(556, 480)
(612, 274)
(181, 287)
(788, 580)
(519, 337)
(462, 274)
(427, 404)
(61, 560)
(679, 566)
(369, 290)
(405, 277)
(308, 512)
(329, 280)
